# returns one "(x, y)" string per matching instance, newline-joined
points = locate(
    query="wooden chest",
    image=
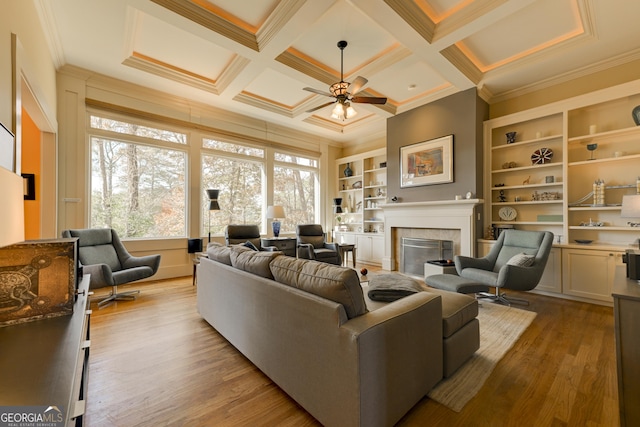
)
(38, 279)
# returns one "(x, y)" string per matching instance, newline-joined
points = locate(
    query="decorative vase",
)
(636, 115)
(276, 228)
(511, 137)
(348, 171)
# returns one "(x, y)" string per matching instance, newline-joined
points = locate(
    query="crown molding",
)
(201, 16)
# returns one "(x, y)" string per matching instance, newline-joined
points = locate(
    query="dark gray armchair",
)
(505, 267)
(312, 245)
(103, 255)
(238, 234)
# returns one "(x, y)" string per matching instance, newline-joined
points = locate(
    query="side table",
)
(196, 261)
(345, 248)
(285, 244)
(439, 267)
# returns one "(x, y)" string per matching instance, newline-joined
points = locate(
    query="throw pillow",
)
(338, 284)
(217, 252)
(522, 260)
(250, 245)
(251, 261)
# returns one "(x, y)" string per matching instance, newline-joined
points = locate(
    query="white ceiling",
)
(253, 57)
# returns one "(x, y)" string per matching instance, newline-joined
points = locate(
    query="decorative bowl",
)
(583, 241)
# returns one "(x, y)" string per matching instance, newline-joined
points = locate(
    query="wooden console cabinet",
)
(46, 362)
(626, 313)
(287, 245)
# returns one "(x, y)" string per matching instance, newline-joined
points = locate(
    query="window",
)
(137, 130)
(238, 172)
(137, 189)
(295, 186)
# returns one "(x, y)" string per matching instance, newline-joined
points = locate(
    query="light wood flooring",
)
(155, 362)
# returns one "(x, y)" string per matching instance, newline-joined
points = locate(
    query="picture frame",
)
(7, 149)
(427, 163)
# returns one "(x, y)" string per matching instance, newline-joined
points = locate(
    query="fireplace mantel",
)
(441, 214)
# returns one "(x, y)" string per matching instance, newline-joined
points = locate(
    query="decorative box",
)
(38, 279)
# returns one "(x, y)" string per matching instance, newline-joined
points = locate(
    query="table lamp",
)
(275, 212)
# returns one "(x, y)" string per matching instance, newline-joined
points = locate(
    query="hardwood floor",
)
(155, 362)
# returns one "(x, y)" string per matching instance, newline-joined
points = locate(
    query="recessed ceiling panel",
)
(170, 45)
(437, 10)
(248, 15)
(278, 88)
(407, 79)
(366, 40)
(543, 24)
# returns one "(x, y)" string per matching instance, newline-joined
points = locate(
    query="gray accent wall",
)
(460, 115)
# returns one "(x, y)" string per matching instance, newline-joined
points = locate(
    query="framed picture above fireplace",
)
(427, 163)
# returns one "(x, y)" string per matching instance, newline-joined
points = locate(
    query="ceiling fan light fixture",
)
(338, 112)
(339, 89)
(351, 112)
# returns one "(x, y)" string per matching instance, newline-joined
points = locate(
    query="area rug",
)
(500, 328)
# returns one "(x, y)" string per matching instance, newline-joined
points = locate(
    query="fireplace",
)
(454, 220)
(417, 251)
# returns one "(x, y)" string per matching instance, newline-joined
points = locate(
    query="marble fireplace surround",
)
(455, 218)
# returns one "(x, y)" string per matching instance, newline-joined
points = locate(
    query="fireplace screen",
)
(415, 252)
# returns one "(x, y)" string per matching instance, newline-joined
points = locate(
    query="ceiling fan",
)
(344, 97)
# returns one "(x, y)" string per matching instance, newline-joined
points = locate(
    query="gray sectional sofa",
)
(311, 329)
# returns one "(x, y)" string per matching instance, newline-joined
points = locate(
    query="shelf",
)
(608, 135)
(606, 159)
(512, 187)
(605, 228)
(595, 208)
(375, 186)
(375, 170)
(350, 177)
(375, 198)
(529, 222)
(528, 202)
(372, 209)
(527, 142)
(348, 190)
(374, 221)
(524, 168)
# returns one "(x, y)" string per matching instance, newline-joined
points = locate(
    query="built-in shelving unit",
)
(594, 139)
(363, 192)
(362, 220)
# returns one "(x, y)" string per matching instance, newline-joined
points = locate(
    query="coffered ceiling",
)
(254, 57)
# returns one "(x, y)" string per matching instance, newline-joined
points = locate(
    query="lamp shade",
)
(630, 206)
(275, 212)
(213, 200)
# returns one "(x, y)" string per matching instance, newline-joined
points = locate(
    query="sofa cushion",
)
(246, 259)
(219, 253)
(338, 284)
(457, 310)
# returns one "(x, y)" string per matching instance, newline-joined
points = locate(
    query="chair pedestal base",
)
(118, 296)
(502, 298)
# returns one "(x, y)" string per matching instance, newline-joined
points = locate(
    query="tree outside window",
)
(240, 179)
(295, 187)
(137, 190)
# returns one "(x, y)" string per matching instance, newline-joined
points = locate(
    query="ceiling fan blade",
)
(319, 107)
(319, 92)
(369, 100)
(357, 84)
